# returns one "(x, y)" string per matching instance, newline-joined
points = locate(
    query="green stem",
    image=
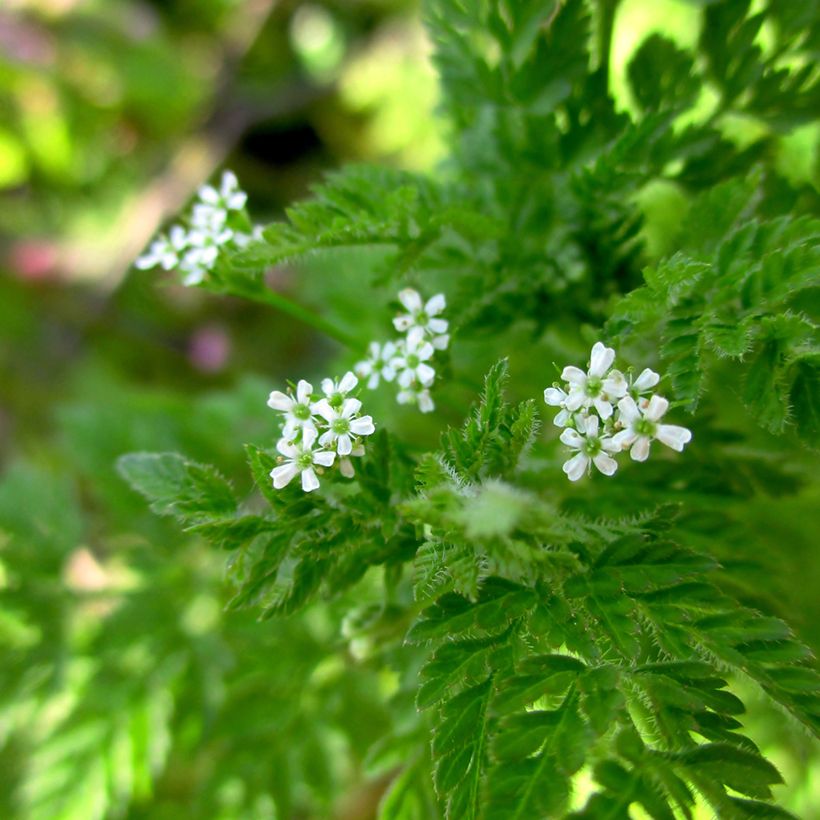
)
(281, 303)
(606, 24)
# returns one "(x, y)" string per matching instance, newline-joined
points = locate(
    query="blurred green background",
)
(125, 688)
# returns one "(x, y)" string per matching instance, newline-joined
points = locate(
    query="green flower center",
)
(594, 386)
(340, 426)
(422, 318)
(644, 427)
(304, 460)
(592, 446)
(301, 411)
(336, 400)
(413, 361)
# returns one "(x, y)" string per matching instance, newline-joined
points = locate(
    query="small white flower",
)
(422, 315)
(346, 465)
(336, 392)
(641, 427)
(645, 382)
(411, 359)
(164, 250)
(300, 458)
(556, 397)
(377, 365)
(599, 386)
(207, 218)
(298, 412)
(591, 448)
(343, 423)
(420, 396)
(229, 196)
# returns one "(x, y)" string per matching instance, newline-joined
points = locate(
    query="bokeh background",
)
(125, 688)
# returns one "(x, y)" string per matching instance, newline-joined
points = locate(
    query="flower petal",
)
(562, 418)
(615, 385)
(286, 448)
(328, 387)
(435, 304)
(425, 402)
(344, 445)
(309, 435)
(373, 381)
(415, 338)
(605, 464)
(322, 408)
(576, 466)
(280, 401)
(629, 410)
(426, 374)
(646, 381)
(304, 391)
(388, 351)
(438, 326)
(403, 323)
(324, 457)
(574, 375)
(283, 474)
(575, 398)
(363, 426)
(640, 449)
(590, 424)
(657, 406)
(554, 396)
(673, 436)
(600, 359)
(622, 440)
(346, 468)
(603, 407)
(572, 438)
(350, 408)
(389, 373)
(440, 342)
(348, 382)
(406, 378)
(410, 299)
(309, 480)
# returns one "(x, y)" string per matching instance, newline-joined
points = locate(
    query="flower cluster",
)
(408, 360)
(604, 414)
(217, 219)
(317, 429)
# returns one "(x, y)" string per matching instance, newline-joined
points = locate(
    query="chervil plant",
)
(556, 649)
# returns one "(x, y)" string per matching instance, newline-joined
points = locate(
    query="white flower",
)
(336, 392)
(343, 423)
(410, 363)
(300, 458)
(556, 397)
(641, 427)
(298, 412)
(645, 382)
(599, 386)
(346, 465)
(377, 365)
(422, 315)
(164, 251)
(591, 448)
(420, 396)
(229, 197)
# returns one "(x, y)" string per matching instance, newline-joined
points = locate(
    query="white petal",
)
(229, 182)
(308, 436)
(195, 277)
(440, 342)
(575, 398)
(304, 391)
(435, 304)
(363, 368)
(286, 448)
(283, 474)
(554, 396)
(358, 450)
(576, 466)
(572, 438)
(350, 408)
(673, 436)
(608, 444)
(603, 407)
(624, 439)
(640, 449)
(600, 359)
(346, 468)
(344, 445)
(438, 326)
(280, 401)
(406, 378)
(425, 402)
(658, 405)
(236, 201)
(388, 351)
(403, 323)
(426, 374)
(590, 424)
(348, 382)
(646, 381)
(209, 194)
(363, 426)
(574, 375)
(177, 237)
(605, 464)
(406, 397)
(309, 480)
(629, 410)
(562, 418)
(425, 351)
(388, 373)
(327, 438)
(410, 299)
(373, 381)
(324, 457)
(615, 385)
(323, 409)
(414, 338)
(328, 387)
